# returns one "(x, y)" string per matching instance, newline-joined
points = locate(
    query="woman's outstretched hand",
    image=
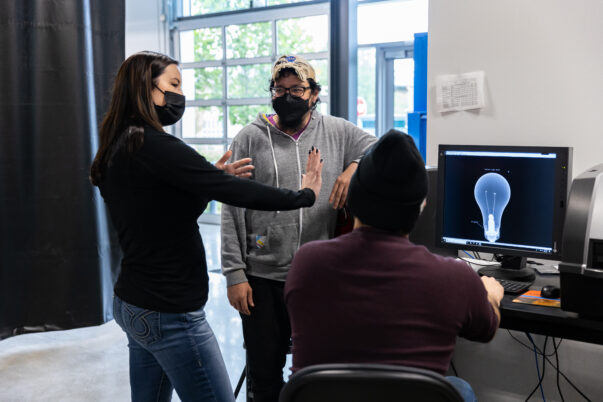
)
(240, 168)
(313, 177)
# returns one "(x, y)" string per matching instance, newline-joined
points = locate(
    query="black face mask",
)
(290, 110)
(173, 109)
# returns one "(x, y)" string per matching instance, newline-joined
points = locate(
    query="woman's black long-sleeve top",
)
(154, 198)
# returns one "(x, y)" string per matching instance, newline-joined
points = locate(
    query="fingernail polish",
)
(309, 152)
(321, 161)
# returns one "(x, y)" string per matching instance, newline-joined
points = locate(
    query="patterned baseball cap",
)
(302, 68)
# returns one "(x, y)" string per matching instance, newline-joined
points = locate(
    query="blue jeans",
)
(172, 350)
(463, 387)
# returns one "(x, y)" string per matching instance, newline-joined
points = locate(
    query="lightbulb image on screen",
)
(492, 193)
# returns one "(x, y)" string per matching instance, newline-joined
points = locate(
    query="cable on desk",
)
(465, 251)
(453, 368)
(539, 385)
(557, 361)
(556, 367)
(540, 375)
(530, 347)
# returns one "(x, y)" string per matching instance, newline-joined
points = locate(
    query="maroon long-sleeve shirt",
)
(372, 297)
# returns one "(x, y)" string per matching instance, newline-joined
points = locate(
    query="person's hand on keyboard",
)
(514, 287)
(495, 291)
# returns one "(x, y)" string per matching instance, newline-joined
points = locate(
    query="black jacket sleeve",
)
(175, 162)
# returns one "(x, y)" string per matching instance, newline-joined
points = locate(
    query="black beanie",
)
(390, 184)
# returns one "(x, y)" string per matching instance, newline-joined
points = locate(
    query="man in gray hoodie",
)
(258, 246)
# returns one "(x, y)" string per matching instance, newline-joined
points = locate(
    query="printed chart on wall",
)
(456, 92)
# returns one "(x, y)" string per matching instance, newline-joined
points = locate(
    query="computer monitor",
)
(507, 200)
(423, 233)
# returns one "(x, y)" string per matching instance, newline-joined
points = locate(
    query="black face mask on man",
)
(173, 109)
(290, 110)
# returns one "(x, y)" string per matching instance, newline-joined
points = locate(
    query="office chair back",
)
(367, 383)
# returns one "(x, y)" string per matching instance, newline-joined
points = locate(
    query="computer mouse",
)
(550, 292)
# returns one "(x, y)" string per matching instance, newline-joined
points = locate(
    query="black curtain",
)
(58, 253)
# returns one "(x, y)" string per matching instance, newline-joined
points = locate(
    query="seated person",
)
(372, 296)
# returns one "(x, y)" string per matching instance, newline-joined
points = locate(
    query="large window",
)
(226, 61)
(385, 62)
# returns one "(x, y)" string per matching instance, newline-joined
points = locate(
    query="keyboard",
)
(514, 287)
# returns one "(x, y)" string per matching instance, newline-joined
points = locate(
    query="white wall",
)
(543, 62)
(145, 29)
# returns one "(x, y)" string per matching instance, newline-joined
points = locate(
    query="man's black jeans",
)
(267, 335)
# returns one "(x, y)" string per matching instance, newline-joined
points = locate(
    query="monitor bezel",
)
(562, 183)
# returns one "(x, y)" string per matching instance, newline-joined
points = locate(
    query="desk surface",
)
(549, 321)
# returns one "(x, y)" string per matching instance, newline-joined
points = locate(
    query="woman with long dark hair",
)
(155, 187)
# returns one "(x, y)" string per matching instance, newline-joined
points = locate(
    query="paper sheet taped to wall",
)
(460, 91)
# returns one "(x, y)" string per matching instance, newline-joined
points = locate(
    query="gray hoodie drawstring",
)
(273, 155)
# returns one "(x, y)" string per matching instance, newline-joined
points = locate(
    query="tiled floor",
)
(91, 364)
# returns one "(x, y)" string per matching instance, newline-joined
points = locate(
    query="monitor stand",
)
(511, 268)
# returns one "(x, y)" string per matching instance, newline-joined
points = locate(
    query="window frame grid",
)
(240, 17)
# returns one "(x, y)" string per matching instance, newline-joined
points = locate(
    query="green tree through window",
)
(208, 83)
(248, 41)
(226, 68)
(208, 44)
